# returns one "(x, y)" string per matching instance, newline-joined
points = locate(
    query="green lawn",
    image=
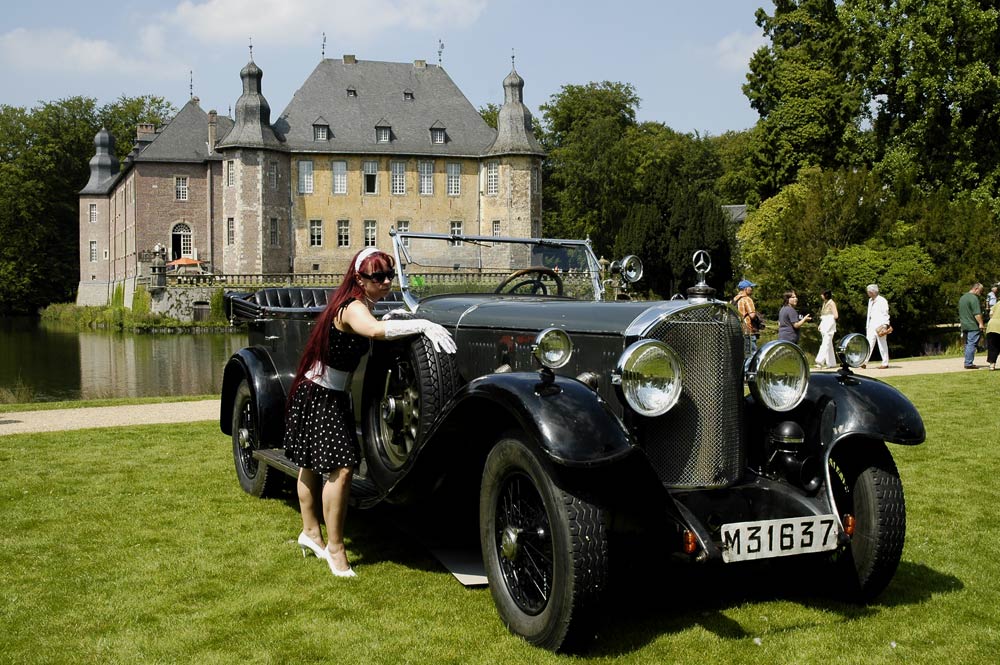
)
(137, 545)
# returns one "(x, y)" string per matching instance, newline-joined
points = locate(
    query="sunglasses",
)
(380, 276)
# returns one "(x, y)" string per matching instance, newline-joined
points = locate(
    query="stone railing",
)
(235, 281)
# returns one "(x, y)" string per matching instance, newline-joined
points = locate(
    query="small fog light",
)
(552, 348)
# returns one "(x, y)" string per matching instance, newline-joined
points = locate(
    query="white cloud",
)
(733, 52)
(293, 20)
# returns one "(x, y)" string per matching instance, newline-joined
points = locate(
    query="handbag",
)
(883, 330)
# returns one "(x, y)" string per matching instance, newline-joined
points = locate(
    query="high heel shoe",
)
(339, 573)
(307, 544)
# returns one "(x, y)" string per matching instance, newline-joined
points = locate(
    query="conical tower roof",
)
(515, 133)
(252, 125)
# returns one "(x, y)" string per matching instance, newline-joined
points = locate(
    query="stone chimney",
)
(212, 117)
(145, 132)
(350, 59)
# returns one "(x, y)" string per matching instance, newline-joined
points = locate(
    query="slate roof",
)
(103, 165)
(436, 102)
(515, 133)
(185, 137)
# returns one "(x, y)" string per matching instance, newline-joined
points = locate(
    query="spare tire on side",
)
(407, 385)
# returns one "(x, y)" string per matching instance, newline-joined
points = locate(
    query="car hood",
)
(521, 313)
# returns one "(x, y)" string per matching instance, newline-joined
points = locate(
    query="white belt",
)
(328, 377)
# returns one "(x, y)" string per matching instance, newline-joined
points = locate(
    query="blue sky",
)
(686, 59)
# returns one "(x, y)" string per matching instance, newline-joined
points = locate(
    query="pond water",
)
(58, 364)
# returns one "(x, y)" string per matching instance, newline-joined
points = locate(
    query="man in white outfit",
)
(878, 315)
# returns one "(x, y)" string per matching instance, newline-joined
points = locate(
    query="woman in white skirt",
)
(826, 357)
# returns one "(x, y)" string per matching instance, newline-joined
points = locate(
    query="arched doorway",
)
(180, 241)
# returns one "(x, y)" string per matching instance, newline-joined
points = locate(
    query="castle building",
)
(362, 147)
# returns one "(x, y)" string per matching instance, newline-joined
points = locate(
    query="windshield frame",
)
(402, 256)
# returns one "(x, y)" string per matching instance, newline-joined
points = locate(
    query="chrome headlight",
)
(853, 349)
(552, 348)
(778, 375)
(649, 377)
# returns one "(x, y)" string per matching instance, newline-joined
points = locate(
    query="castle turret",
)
(252, 128)
(515, 132)
(103, 165)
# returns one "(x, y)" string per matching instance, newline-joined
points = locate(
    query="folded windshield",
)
(436, 264)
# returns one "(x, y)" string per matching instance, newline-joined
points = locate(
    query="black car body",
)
(566, 411)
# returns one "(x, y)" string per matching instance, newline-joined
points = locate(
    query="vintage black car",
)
(570, 412)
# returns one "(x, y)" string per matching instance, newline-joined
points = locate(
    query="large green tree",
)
(44, 155)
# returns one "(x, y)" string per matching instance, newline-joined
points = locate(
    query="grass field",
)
(137, 545)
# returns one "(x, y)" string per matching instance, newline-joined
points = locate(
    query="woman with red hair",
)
(320, 435)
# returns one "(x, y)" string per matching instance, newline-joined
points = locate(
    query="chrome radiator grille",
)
(699, 443)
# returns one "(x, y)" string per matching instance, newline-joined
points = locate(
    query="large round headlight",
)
(649, 377)
(853, 349)
(778, 375)
(553, 348)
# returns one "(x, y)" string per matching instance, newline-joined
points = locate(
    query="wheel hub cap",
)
(244, 437)
(509, 546)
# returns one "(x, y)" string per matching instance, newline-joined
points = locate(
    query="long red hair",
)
(319, 339)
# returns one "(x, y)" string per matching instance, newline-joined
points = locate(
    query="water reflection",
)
(60, 364)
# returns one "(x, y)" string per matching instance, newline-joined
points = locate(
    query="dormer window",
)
(321, 132)
(382, 134)
(352, 92)
(407, 95)
(437, 135)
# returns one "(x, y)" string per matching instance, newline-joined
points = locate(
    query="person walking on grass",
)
(993, 336)
(970, 315)
(878, 316)
(320, 434)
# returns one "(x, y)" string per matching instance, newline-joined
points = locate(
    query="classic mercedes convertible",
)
(570, 409)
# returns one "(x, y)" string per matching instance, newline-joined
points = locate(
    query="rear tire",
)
(866, 484)
(544, 549)
(256, 478)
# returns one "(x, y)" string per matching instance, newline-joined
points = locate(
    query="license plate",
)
(745, 541)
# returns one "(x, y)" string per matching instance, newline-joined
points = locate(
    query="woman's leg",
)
(335, 495)
(309, 487)
(992, 347)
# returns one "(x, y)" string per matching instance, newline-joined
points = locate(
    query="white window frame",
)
(383, 134)
(454, 179)
(315, 232)
(305, 176)
(403, 226)
(339, 168)
(437, 136)
(455, 229)
(398, 177)
(230, 230)
(272, 174)
(492, 178)
(321, 133)
(230, 172)
(496, 228)
(275, 232)
(343, 233)
(426, 177)
(369, 168)
(92, 213)
(93, 251)
(185, 232)
(180, 188)
(371, 232)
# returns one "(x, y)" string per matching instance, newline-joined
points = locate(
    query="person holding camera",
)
(789, 320)
(749, 318)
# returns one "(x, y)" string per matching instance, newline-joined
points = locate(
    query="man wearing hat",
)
(748, 316)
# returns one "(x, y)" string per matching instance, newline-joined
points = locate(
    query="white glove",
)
(438, 335)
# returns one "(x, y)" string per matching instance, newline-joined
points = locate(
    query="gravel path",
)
(183, 412)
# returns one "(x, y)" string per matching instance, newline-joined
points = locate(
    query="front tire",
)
(256, 478)
(866, 484)
(544, 548)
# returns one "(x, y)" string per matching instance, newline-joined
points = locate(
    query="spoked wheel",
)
(253, 475)
(406, 387)
(544, 548)
(867, 486)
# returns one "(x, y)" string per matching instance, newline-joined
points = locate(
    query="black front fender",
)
(255, 365)
(570, 422)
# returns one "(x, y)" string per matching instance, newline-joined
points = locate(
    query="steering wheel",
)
(536, 284)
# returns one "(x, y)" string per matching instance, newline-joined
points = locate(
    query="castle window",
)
(321, 132)
(275, 237)
(305, 177)
(339, 177)
(351, 92)
(383, 134)
(272, 175)
(437, 136)
(93, 251)
(230, 173)
(343, 233)
(454, 179)
(230, 230)
(371, 231)
(426, 169)
(181, 188)
(407, 96)
(93, 213)
(371, 177)
(496, 228)
(398, 177)
(456, 230)
(492, 178)
(181, 241)
(403, 226)
(315, 232)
